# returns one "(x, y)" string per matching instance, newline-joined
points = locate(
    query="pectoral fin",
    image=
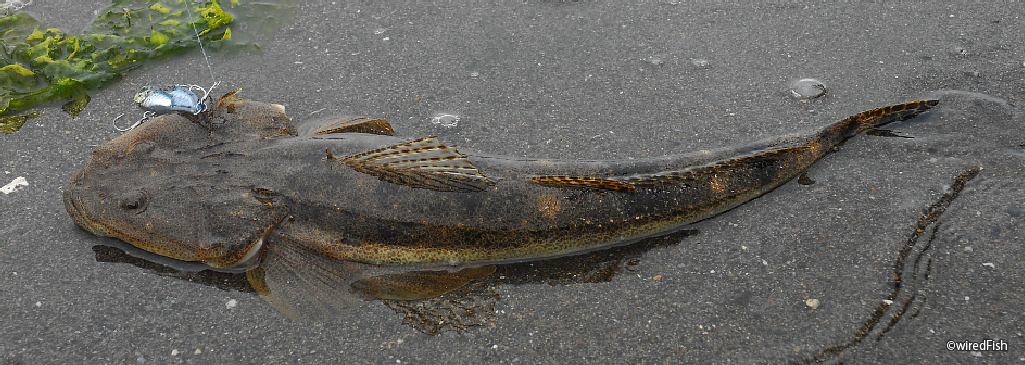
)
(346, 125)
(424, 163)
(418, 284)
(304, 286)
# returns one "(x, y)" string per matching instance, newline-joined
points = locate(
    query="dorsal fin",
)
(585, 182)
(346, 125)
(424, 163)
(690, 176)
(760, 160)
(685, 177)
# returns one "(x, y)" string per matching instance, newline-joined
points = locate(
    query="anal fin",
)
(418, 284)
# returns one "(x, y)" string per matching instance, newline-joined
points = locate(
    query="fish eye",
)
(134, 202)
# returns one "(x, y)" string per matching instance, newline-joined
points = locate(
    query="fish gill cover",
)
(39, 66)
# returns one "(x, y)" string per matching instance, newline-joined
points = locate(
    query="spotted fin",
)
(347, 125)
(584, 182)
(424, 163)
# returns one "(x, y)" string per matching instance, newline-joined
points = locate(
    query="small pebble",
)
(197, 352)
(813, 303)
(654, 61)
(231, 304)
(14, 185)
(39, 304)
(174, 352)
(445, 120)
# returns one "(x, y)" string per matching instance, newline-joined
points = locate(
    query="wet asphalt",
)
(900, 245)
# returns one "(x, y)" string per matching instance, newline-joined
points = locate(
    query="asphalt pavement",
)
(895, 247)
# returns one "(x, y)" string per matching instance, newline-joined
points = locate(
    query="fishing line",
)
(199, 40)
(178, 98)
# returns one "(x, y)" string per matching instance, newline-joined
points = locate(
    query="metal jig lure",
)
(178, 98)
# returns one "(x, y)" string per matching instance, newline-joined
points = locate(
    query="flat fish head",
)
(168, 187)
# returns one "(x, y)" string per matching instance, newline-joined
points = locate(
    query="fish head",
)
(167, 188)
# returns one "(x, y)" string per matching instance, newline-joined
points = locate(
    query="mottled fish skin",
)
(216, 186)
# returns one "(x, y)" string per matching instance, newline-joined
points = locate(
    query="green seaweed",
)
(9, 125)
(40, 66)
(76, 104)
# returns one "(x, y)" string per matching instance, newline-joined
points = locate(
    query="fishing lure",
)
(178, 98)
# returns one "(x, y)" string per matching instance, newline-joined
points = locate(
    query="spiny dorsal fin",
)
(424, 163)
(586, 182)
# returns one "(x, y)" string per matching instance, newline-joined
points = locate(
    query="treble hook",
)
(206, 94)
(145, 116)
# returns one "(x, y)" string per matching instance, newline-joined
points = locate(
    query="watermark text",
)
(984, 345)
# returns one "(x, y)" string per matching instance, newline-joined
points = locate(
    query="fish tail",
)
(787, 159)
(839, 132)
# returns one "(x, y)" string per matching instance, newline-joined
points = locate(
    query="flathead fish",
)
(240, 185)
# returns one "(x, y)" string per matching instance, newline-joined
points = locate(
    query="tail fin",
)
(840, 131)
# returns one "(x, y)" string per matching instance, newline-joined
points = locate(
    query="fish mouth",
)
(73, 203)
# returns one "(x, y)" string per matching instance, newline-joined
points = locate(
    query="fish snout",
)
(75, 207)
